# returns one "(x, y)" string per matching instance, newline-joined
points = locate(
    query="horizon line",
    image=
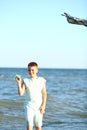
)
(45, 68)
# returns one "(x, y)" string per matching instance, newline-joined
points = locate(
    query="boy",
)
(36, 96)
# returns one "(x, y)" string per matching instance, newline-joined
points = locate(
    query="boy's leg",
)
(38, 120)
(29, 127)
(38, 128)
(29, 114)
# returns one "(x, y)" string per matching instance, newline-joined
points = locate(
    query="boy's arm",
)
(44, 98)
(21, 89)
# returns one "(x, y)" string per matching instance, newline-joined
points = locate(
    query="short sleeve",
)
(26, 82)
(43, 82)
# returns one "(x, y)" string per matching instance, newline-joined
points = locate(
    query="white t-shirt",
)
(33, 92)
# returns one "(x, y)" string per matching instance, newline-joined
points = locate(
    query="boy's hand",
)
(42, 109)
(18, 78)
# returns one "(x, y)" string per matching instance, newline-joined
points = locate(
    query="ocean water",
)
(66, 107)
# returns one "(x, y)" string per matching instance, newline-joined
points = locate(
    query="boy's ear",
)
(37, 70)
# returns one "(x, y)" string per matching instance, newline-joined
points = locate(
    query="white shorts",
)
(33, 118)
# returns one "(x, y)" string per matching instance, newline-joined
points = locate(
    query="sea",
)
(66, 107)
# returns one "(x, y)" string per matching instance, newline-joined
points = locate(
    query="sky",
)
(34, 30)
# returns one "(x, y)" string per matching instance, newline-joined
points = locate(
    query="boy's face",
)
(32, 70)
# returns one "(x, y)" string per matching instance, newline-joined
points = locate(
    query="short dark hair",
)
(32, 64)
